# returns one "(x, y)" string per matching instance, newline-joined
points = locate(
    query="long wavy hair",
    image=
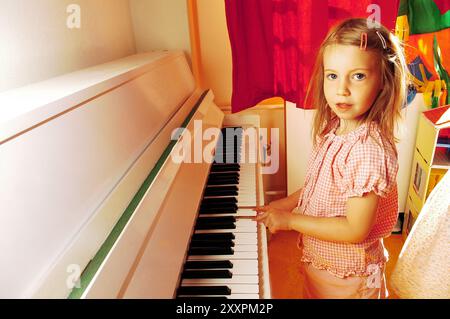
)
(385, 110)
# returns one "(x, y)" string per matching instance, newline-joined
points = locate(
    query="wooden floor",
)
(286, 274)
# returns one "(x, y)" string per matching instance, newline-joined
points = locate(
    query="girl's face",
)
(352, 81)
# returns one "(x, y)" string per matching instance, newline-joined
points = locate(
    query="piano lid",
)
(72, 154)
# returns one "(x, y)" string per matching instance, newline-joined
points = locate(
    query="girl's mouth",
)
(343, 106)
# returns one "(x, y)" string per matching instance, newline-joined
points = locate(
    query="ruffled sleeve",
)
(369, 167)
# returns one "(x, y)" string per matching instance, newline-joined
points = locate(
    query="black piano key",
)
(215, 226)
(223, 205)
(228, 188)
(224, 175)
(208, 264)
(220, 181)
(212, 243)
(224, 181)
(225, 168)
(213, 236)
(222, 165)
(219, 204)
(204, 290)
(221, 192)
(196, 251)
(213, 201)
(216, 220)
(197, 274)
(214, 210)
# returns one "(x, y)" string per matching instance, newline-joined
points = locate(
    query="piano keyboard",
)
(223, 256)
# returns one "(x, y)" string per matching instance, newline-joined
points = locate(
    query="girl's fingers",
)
(260, 217)
(261, 208)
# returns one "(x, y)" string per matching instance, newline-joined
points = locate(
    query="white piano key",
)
(246, 241)
(244, 204)
(245, 236)
(243, 212)
(246, 196)
(242, 248)
(245, 267)
(236, 279)
(246, 221)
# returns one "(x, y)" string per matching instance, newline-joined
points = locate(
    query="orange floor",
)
(285, 271)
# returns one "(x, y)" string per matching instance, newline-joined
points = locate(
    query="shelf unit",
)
(431, 161)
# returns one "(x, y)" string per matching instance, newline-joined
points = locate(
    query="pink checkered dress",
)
(347, 166)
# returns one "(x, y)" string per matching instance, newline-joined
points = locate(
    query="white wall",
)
(36, 43)
(161, 25)
(298, 145)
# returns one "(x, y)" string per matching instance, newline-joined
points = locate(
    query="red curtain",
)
(274, 43)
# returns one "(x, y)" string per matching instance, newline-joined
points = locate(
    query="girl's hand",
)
(273, 205)
(274, 219)
(262, 209)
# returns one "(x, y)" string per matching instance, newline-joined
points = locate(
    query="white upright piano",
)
(100, 198)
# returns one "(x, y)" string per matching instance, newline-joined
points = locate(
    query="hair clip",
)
(383, 41)
(363, 44)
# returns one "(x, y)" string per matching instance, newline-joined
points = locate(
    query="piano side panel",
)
(146, 260)
(161, 263)
(56, 176)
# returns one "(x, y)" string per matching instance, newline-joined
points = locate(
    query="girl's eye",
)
(331, 76)
(359, 76)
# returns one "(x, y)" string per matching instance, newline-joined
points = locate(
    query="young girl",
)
(349, 199)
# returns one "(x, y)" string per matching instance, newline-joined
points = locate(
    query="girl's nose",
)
(343, 89)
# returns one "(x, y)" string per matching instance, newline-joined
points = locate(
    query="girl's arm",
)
(287, 203)
(353, 228)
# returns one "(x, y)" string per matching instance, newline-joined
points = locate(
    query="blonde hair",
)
(385, 110)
